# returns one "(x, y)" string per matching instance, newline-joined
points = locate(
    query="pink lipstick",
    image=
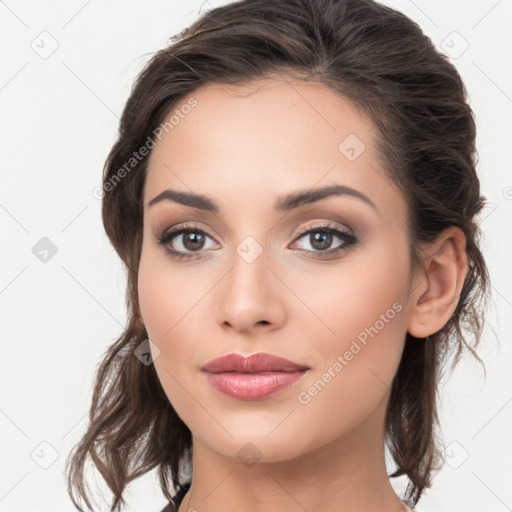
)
(254, 377)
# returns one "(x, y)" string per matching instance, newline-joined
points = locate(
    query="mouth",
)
(255, 363)
(253, 377)
(253, 385)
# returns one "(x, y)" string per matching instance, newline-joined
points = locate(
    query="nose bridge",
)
(248, 279)
(248, 295)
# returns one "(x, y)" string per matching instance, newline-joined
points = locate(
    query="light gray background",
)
(59, 116)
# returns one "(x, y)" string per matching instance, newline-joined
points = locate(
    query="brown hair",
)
(381, 61)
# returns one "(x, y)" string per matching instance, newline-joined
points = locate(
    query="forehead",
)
(264, 139)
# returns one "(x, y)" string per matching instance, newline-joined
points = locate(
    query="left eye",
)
(320, 239)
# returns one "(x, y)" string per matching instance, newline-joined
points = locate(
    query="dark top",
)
(177, 498)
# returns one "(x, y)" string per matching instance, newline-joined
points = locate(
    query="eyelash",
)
(171, 233)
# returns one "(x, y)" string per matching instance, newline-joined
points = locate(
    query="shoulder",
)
(173, 505)
(409, 506)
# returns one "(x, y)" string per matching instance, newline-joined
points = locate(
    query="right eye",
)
(192, 241)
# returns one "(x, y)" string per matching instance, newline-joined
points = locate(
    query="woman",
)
(293, 193)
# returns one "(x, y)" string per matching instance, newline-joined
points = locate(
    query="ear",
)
(436, 291)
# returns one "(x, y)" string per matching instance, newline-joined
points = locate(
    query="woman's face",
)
(251, 281)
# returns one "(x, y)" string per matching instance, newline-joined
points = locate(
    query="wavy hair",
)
(381, 61)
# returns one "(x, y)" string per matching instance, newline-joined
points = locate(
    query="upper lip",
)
(260, 362)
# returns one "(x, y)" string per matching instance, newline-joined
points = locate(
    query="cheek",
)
(369, 306)
(164, 312)
(366, 304)
(155, 299)
(166, 295)
(163, 305)
(172, 307)
(363, 333)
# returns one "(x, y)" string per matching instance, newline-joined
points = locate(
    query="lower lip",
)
(253, 386)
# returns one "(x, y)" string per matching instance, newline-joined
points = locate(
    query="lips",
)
(254, 363)
(255, 377)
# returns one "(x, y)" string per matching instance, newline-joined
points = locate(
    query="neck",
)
(348, 473)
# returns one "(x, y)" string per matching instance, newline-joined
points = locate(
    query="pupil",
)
(324, 240)
(193, 240)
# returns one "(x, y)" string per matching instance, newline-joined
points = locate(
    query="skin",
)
(243, 147)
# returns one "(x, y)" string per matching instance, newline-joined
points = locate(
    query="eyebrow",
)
(284, 203)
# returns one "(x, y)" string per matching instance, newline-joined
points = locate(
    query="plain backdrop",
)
(66, 71)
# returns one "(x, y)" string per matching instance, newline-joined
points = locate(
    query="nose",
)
(250, 297)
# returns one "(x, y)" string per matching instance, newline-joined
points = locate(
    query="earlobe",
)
(436, 292)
